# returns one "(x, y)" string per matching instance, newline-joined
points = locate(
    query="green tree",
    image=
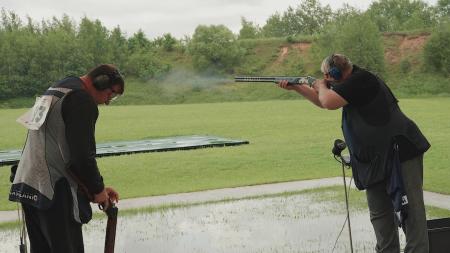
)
(18, 48)
(138, 42)
(10, 21)
(395, 15)
(437, 51)
(358, 38)
(274, 27)
(61, 53)
(31, 26)
(249, 30)
(93, 38)
(145, 65)
(362, 42)
(167, 42)
(34, 55)
(119, 47)
(443, 10)
(344, 14)
(214, 48)
(308, 18)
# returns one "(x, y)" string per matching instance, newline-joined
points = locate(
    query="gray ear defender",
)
(105, 81)
(102, 82)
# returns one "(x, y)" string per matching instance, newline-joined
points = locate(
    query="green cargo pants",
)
(382, 212)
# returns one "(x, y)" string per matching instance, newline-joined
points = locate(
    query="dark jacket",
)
(372, 129)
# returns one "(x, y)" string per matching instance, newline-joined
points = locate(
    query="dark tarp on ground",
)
(9, 157)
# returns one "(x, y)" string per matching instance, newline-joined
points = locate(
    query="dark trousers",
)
(382, 212)
(54, 230)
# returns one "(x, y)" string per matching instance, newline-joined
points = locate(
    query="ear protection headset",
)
(334, 71)
(105, 81)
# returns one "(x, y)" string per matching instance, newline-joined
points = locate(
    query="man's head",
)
(336, 67)
(106, 83)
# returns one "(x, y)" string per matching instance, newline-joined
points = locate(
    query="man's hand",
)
(106, 196)
(320, 84)
(328, 98)
(284, 84)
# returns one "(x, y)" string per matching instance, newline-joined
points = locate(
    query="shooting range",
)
(288, 221)
(218, 143)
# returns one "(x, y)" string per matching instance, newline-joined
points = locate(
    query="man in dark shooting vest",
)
(57, 176)
(386, 150)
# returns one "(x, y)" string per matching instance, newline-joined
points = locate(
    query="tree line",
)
(36, 53)
(310, 17)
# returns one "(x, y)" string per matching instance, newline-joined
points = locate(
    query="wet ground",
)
(304, 222)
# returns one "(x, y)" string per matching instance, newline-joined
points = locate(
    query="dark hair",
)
(105, 76)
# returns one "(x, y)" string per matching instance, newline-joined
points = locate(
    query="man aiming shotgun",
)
(385, 146)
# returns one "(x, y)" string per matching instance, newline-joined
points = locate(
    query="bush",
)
(437, 50)
(290, 39)
(405, 66)
(167, 42)
(214, 49)
(145, 65)
(395, 15)
(362, 42)
(249, 30)
(358, 38)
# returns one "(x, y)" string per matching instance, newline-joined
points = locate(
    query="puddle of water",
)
(295, 223)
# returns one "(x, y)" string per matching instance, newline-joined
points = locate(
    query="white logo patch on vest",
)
(35, 117)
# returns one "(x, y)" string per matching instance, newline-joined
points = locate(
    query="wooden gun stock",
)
(110, 237)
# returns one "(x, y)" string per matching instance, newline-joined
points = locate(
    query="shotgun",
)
(292, 80)
(110, 237)
(111, 212)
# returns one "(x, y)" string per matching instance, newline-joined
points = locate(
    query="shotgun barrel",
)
(292, 80)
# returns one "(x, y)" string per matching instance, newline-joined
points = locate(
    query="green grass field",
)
(289, 140)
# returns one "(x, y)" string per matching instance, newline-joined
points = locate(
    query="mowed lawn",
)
(289, 140)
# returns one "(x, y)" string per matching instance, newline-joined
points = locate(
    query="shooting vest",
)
(45, 157)
(370, 140)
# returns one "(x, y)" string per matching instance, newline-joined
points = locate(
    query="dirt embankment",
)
(399, 47)
(406, 46)
(301, 47)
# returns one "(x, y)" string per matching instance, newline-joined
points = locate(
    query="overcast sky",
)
(156, 17)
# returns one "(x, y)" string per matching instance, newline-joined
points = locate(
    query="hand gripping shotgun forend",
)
(292, 80)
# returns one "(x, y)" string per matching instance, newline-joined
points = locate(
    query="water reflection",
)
(295, 223)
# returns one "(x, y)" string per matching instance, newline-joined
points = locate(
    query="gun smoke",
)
(186, 79)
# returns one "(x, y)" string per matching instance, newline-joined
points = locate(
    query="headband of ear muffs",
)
(105, 81)
(334, 71)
